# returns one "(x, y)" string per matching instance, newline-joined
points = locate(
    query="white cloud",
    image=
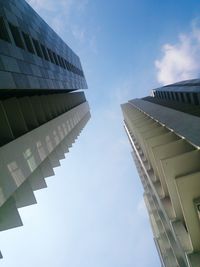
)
(57, 25)
(180, 61)
(78, 33)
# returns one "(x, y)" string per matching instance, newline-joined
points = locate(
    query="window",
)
(168, 95)
(16, 36)
(3, 31)
(173, 96)
(44, 52)
(176, 96)
(50, 55)
(63, 62)
(195, 98)
(60, 61)
(37, 48)
(165, 95)
(188, 97)
(72, 68)
(55, 58)
(67, 64)
(28, 42)
(75, 70)
(182, 97)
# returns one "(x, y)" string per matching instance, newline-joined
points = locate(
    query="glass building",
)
(41, 114)
(164, 132)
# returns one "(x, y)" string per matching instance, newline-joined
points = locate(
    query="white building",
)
(164, 131)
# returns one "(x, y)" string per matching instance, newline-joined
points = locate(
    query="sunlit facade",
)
(41, 115)
(163, 130)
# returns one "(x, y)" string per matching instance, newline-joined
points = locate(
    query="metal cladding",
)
(40, 114)
(163, 130)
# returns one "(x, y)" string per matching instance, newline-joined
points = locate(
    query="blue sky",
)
(92, 213)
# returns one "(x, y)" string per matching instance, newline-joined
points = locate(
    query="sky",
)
(92, 214)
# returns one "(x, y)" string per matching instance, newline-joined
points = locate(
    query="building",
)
(41, 114)
(164, 131)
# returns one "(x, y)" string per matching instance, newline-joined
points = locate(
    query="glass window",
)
(195, 98)
(51, 55)
(55, 58)
(28, 42)
(75, 70)
(72, 68)
(37, 48)
(63, 62)
(44, 52)
(16, 36)
(3, 31)
(176, 96)
(172, 96)
(182, 97)
(188, 97)
(60, 61)
(67, 64)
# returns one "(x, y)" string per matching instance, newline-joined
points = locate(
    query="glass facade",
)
(39, 58)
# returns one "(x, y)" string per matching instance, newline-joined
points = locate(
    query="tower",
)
(41, 114)
(163, 130)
